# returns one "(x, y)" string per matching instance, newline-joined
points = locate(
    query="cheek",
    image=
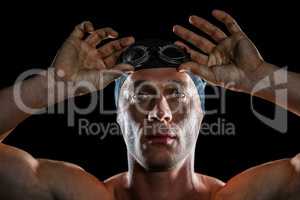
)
(136, 115)
(187, 110)
(189, 121)
(133, 123)
(132, 113)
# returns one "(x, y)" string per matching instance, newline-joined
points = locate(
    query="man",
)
(160, 114)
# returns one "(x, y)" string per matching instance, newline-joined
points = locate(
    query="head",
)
(160, 114)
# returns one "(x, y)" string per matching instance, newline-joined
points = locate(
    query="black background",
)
(32, 33)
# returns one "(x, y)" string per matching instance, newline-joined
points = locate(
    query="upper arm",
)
(274, 180)
(18, 175)
(4, 135)
(69, 181)
(24, 177)
(294, 185)
(295, 162)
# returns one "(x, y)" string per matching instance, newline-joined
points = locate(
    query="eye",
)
(144, 96)
(177, 94)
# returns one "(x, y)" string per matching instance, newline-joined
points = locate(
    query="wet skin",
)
(160, 121)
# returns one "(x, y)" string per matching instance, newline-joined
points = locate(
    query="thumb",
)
(123, 68)
(117, 71)
(203, 71)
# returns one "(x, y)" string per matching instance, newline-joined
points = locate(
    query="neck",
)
(172, 184)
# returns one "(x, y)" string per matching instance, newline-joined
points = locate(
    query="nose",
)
(161, 111)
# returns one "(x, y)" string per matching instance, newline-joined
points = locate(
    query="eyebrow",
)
(137, 83)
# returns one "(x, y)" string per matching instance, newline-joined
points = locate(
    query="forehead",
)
(159, 76)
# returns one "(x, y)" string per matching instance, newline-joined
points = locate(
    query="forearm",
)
(281, 87)
(33, 94)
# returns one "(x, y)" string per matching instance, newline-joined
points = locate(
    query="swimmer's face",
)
(160, 117)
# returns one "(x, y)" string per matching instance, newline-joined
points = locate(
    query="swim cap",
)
(155, 53)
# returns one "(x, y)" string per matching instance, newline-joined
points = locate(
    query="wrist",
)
(54, 89)
(262, 79)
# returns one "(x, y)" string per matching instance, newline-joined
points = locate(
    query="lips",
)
(160, 138)
(157, 133)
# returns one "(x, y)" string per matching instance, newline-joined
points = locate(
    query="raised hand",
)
(231, 61)
(79, 59)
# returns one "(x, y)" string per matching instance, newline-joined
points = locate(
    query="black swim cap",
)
(156, 53)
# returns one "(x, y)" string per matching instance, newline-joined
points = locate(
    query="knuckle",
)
(108, 29)
(214, 31)
(199, 42)
(230, 24)
(95, 36)
(82, 25)
(123, 42)
(296, 163)
(190, 38)
(86, 23)
(101, 34)
(78, 27)
(117, 45)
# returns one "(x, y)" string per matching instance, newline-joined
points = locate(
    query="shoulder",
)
(277, 178)
(118, 180)
(15, 160)
(18, 171)
(211, 184)
(68, 180)
(118, 185)
(55, 178)
(211, 181)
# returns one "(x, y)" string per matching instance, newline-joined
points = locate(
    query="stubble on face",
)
(185, 123)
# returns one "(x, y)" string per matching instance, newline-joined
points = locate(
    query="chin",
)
(160, 162)
(159, 166)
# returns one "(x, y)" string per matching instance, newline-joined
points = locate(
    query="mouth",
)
(166, 138)
(160, 134)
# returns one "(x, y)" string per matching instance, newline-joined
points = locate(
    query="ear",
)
(118, 118)
(120, 121)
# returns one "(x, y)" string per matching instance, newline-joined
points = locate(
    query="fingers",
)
(112, 51)
(198, 41)
(215, 33)
(229, 22)
(110, 75)
(99, 35)
(195, 55)
(203, 71)
(102, 78)
(117, 71)
(124, 68)
(221, 55)
(94, 62)
(115, 46)
(81, 29)
(111, 60)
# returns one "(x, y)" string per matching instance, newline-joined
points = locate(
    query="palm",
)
(234, 61)
(80, 61)
(74, 57)
(231, 63)
(240, 51)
